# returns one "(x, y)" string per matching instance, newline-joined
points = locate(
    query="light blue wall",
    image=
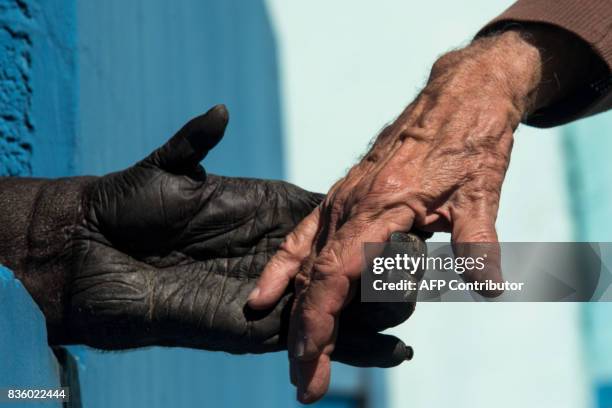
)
(588, 146)
(349, 67)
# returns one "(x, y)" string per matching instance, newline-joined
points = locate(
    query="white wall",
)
(348, 67)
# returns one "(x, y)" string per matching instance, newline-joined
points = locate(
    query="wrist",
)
(566, 63)
(41, 216)
(496, 69)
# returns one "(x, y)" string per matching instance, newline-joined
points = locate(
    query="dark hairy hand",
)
(164, 254)
(438, 167)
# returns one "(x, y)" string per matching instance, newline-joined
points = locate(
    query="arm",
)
(438, 167)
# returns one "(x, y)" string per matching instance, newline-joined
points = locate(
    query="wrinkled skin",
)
(167, 255)
(438, 167)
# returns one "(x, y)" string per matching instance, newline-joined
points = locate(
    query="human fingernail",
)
(303, 396)
(254, 294)
(300, 346)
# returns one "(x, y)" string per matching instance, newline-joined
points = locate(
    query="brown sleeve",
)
(591, 22)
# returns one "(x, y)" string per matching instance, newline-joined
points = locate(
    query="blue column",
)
(588, 145)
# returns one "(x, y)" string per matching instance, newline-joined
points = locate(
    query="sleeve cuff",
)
(590, 21)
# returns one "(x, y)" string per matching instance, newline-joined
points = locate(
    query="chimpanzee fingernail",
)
(409, 353)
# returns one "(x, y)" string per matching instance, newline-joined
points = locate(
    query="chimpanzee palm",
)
(166, 254)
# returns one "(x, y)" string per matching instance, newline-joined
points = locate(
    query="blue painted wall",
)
(54, 82)
(16, 28)
(146, 66)
(25, 359)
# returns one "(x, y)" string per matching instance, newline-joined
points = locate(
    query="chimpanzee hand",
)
(164, 254)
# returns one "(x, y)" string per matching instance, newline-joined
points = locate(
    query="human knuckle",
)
(332, 277)
(302, 280)
(481, 234)
(496, 164)
(495, 121)
(327, 264)
(484, 182)
(480, 193)
(310, 312)
(444, 62)
(422, 132)
(456, 148)
(290, 244)
(336, 207)
(390, 181)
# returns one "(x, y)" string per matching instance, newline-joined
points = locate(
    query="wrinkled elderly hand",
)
(164, 254)
(438, 167)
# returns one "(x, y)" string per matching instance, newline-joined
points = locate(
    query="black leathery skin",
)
(164, 254)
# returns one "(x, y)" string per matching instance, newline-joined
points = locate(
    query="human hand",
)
(438, 167)
(164, 254)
